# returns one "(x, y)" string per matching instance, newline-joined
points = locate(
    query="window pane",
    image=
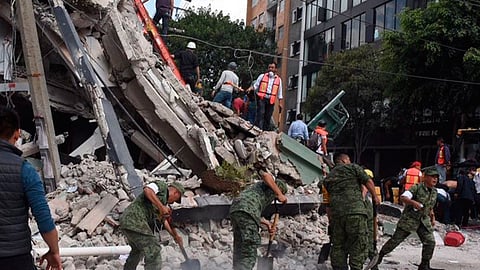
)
(362, 28)
(400, 6)
(343, 5)
(329, 9)
(355, 32)
(379, 21)
(308, 16)
(390, 15)
(346, 34)
(356, 2)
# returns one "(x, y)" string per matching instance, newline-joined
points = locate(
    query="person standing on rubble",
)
(442, 159)
(164, 10)
(298, 130)
(349, 213)
(268, 88)
(226, 84)
(245, 215)
(21, 190)
(188, 65)
(417, 216)
(139, 221)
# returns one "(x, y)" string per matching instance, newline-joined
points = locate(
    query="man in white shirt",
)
(268, 87)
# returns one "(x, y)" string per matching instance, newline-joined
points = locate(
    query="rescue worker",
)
(139, 219)
(318, 140)
(225, 86)
(411, 176)
(349, 213)
(417, 216)
(372, 219)
(442, 160)
(245, 214)
(268, 87)
(298, 130)
(189, 66)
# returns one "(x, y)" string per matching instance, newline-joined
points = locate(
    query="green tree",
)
(441, 41)
(357, 73)
(220, 41)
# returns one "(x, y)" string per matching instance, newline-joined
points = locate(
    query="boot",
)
(426, 266)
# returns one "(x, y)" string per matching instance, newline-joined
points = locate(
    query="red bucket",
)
(454, 239)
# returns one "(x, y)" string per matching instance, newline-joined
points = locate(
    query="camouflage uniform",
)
(136, 224)
(349, 216)
(245, 214)
(418, 221)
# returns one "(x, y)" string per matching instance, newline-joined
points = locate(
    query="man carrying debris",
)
(139, 218)
(349, 213)
(418, 216)
(268, 87)
(21, 190)
(245, 214)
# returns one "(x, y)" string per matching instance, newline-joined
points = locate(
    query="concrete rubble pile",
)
(89, 201)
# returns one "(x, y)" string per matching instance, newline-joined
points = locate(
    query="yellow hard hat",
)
(369, 173)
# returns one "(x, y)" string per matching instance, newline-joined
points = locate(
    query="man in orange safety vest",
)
(268, 87)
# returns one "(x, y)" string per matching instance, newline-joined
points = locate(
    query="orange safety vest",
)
(412, 177)
(262, 91)
(441, 155)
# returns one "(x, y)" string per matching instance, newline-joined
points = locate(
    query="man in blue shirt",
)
(20, 190)
(298, 130)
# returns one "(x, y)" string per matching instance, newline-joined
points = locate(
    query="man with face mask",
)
(268, 87)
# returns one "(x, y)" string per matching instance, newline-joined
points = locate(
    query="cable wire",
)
(327, 64)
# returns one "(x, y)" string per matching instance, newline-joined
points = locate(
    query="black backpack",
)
(313, 141)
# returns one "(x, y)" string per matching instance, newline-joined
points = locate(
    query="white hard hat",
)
(191, 45)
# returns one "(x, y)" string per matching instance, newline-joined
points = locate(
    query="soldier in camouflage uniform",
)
(349, 213)
(417, 216)
(137, 222)
(245, 214)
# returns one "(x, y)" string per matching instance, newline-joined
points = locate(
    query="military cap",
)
(431, 170)
(178, 186)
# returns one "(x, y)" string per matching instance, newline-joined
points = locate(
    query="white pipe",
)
(87, 251)
(300, 57)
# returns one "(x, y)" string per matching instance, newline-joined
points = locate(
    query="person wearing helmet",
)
(188, 65)
(226, 84)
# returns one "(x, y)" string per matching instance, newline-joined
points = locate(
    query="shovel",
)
(266, 262)
(189, 264)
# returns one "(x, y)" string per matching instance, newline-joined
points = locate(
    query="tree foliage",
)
(440, 41)
(220, 41)
(357, 73)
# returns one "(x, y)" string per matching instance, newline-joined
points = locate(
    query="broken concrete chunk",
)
(225, 155)
(97, 214)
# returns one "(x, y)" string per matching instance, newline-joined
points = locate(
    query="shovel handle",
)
(276, 216)
(184, 252)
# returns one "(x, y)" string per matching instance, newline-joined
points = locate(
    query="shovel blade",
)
(191, 264)
(265, 263)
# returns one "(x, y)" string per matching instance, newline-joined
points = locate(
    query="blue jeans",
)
(225, 98)
(442, 173)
